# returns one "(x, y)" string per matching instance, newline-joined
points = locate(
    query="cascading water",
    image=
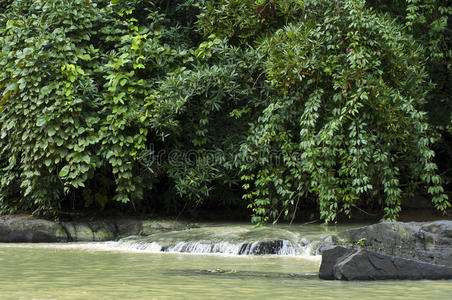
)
(240, 240)
(278, 247)
(203, 248)
(231, 240)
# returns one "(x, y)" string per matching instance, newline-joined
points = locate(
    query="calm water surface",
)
(99, 271)
(37, 272)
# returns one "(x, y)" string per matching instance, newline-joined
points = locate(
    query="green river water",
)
(99, 271)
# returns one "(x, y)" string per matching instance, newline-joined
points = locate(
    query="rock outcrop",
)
(30, 230)
(330, 258)
(389, 250)
(26, 229)
(429, 242)
(349, 264)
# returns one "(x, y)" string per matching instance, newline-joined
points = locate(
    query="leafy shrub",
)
(351, 101)
(290, 103)
(78, 102)
(243, 21)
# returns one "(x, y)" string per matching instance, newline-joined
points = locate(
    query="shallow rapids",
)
(113, 270)
(235, 240)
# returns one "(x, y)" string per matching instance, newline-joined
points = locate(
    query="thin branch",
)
(365, 212)
(311, 222)
(186, 202)
(295, 210)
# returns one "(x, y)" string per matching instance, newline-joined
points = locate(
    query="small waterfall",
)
(286, 249)
(277, 247)
(130, 244)
(205, 248)
(229, 240)
(248, 248)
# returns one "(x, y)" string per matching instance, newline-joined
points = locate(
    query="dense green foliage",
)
(278, 105)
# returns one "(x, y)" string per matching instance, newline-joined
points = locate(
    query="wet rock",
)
(15, 229)
(330, 258)
(149, 227)
(349, 264)
(429, 242)
(30, 230)
(88, 231)
(78, 232)
(127, 227)
(103, 230)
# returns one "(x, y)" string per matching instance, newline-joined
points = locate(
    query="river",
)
(115, 270)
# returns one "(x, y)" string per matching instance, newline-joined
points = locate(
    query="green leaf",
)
(64, 171)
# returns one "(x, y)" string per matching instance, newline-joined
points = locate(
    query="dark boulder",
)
(330, 258)
(429, 242)
(349, 264)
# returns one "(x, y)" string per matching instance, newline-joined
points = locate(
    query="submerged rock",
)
(349, 264)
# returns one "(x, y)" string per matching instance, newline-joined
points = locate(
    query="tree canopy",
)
(272, 105)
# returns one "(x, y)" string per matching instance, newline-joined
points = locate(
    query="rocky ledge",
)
(26, 229)
(389, 250)
(349, 264)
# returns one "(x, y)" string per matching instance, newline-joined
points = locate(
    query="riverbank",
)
(389, 250)
(28, 229)
(86, 226)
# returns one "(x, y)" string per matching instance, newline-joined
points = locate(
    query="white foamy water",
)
(282, 248)
(205, 248)
(285, 248)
